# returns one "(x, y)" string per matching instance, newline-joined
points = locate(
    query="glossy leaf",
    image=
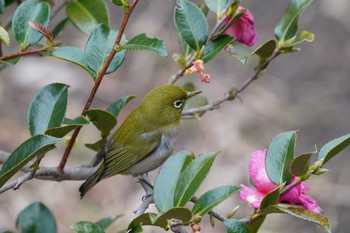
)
(73, 55)
(106, 222)
(47, 108)
(192, 177)
(33, 10)
(215, 47)
(280, 155)
(195, 102)
(4, 36)
(67, 126)
(142, 42)
(144, 219)
(302, 214)
(235, 226)
(334, 147)
(240, 51)
(217, 6)
(301, 164)
(86, 227)
(182, 214)
(119, 104)
(98, 48)
(103, 120)
(288, 25)
(254, 226)
(266, 50)
(38, 145)
(59, 27)
(86, 15)
(166, 181)
(212, 198)
(271, 199)
(191, 23)
(97, 146)
(36, 218)
(188, 86)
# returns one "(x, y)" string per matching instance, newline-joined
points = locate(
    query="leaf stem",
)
(97, 83)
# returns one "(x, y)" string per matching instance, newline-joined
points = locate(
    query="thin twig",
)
(227, 96)
(213, 213)
(97, 83)
(176, 226)
(22, 54)
(144, 205)
(58, 9)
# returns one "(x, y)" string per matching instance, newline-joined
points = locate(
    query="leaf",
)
(280, 155)
(36, 218)
(332, 148)
(11, 61)
(271, 199)
(191, 24)
(300, 164)
(98, 48)
(34, 146)
(106, 222)
(240, 51)
(214, 47)
(33, 10)
(103, 120)
(144, 219)
(73, 55)
(59, 27)
(235, 226)
(117, 2)
(86, 15)
(288, 25)
(2, 6)
(195, 102)
(86, 227)
(303, 36)
(266, 50)
(67, 126)
(47, 108)
(212, 198)
(217, 6)
(97, 146)
(119, 104)
(192, 177)
(254, 226)
(142, 42)
(233, 19)
(45, 31)
(302, 214)
(182, 214)
(4, 36)
(167, 179)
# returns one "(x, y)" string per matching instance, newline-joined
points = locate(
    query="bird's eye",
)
(178, 103)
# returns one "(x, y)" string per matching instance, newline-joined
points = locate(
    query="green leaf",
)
(59, 27)
(271, 199)
(142, 42)
(332, 148)
(217, 6)
(280, 155)
(97, 146)
(195, 102)
(266, 50)
(34, 146)
(86, 227)
(118, 2)
(235, 226)
(167, 179)
(11, 61)
(255, 225)
(103, 120)
(67, 126)
(300, 165)
(214, 47)
(36, 218)
(212, 198)
(234, 19)
(303, 36)
(2, 6)
(182, 214)
(73, 55)
(240, 51)
(191, 24)
(302, 214)
(106, 222)
(144, 219)
(192, 177)
(86, 15)
(4, 36)
(117, 106)
(34, 10)
(47, 108)
(98, 48)
(288, 25)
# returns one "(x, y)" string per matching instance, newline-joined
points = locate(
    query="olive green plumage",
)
(145, 139)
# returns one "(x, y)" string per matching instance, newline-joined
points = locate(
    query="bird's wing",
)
(119, 157)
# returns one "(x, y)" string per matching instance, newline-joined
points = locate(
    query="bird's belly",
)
(157, 157)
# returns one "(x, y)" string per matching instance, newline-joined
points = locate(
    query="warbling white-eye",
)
(145, 139)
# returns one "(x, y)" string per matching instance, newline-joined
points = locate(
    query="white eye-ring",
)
(178, 103)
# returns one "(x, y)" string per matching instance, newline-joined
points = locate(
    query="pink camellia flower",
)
(264, 185)
(243, 29)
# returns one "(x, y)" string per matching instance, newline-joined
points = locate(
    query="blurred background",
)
(307, 91)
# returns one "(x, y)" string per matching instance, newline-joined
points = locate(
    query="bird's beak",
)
(193, 93)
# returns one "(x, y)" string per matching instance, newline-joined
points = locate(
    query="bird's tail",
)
(91, 181)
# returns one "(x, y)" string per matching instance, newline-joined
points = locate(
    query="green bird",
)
(145, 139)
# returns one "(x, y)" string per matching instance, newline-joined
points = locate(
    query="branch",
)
(231, 96)
(23, 53)
(98, 81)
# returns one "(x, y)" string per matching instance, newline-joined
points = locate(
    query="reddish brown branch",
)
(98, 82)
(22, 53)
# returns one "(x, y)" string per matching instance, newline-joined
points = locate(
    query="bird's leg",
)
(146, 184)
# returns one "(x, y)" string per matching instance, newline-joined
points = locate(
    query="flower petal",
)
(251, 195)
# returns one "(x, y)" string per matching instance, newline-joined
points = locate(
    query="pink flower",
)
(198, 67)
(243, 29)
(264, 185)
